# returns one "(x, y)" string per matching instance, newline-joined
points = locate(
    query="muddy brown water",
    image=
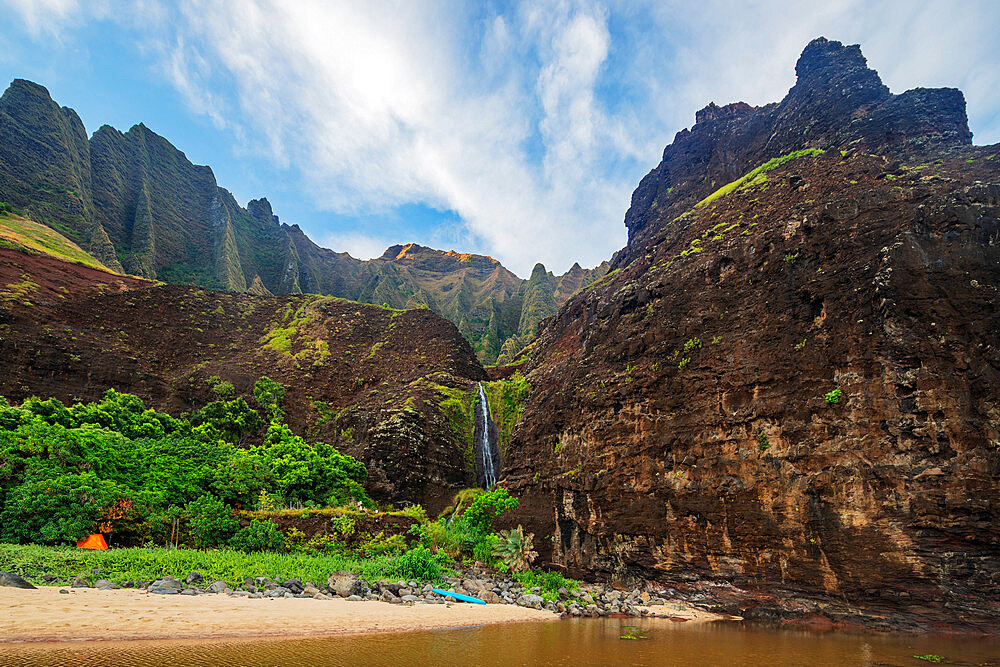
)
(568, 642)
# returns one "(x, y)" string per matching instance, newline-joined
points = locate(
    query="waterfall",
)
(487, 456)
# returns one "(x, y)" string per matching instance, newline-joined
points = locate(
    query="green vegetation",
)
(506, 399)
(233, 567)
(757, 176)
(24, 234)
(116, 465)
(833, 397)
(514, 549)
(763, 442)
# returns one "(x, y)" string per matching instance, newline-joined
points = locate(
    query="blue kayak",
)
(458, 596)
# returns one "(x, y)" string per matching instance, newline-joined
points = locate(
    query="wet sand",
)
(47, 615)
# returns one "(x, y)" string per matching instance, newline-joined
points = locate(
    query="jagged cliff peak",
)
(837, 102)
(260, 209)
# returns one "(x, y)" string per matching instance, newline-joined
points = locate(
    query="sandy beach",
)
(45, 614)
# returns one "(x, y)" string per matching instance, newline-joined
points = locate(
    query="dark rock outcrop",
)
(14, 580)
(785, 399)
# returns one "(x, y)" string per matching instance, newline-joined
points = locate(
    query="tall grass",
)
(234, 567)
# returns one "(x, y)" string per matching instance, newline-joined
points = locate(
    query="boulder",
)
(13, 581)
(278, 592)
(345, 584)
(294, 585)
(80, 582)
(194, 579)
(531, 600)
(218, 587)
(472, 586)
(189, 591)
(354, 598)
(165, 586)
(387, 596)
(489, 597)
(105, 585)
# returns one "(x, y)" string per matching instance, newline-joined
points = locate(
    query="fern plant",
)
(514, 549)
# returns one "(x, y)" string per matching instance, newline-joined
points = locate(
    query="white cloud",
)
(359, 246)
(535, 123)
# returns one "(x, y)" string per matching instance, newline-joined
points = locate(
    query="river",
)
(566, 642)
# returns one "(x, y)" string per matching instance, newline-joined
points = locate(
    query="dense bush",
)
(211, 521)
(258, 536)
(419, 563)
(114, 464)
(487, 507)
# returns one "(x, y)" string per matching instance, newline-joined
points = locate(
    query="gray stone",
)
(165, 586)
(256, 596)
(194, 579)
(354, 598)
(278, 592)
(531, 600)
(80, 582)
(64, 591)
(387, 596)
(310, 590)
(489, 597)
(321, 596)
(189, 591)
(410, 598)
(472, 586)
(294, 585)
(13, 580)
(218, 587)
(105, 585)
(345, 584)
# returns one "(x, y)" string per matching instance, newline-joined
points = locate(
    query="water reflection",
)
(568, 642)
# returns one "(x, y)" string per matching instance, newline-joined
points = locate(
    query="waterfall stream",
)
(486, 453)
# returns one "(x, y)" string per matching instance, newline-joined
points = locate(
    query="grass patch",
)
(757, 176)
(145, 564)
(24, 234)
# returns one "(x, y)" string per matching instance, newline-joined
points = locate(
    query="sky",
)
(513, 129)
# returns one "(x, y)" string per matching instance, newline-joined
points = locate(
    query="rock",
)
(387, 596)
(64, 591)
(294, 585)
(80, 582)
(49, 578)
(531, 600)
(409, 598)
(394, 588)
(105, 585)
(189, 591)
(354, 598)
(278, 592)
(13, 580)
(255, 596)
(310, 590)
(489, 597)
(323, 596)
(345, 584)
(194, 579)
(644, 597)
(472, 586)
(218, 587)
(128, 584)
(165, 586)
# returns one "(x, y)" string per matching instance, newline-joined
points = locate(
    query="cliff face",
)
(370, 381)
(784, 398)
(138, 204)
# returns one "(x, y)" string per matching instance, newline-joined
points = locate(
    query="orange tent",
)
(95, 541)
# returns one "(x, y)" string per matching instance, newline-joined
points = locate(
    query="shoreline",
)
(44, 615)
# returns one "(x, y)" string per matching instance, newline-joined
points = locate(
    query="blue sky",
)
(517, 130)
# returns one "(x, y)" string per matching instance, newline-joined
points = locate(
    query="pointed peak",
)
(538, 272)
(261, 210)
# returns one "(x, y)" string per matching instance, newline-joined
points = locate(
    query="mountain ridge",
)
(136, 203)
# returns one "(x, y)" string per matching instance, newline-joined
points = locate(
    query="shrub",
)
(420, 563)
(485, 509)
(514, 549)
(258, 536)
(833, 397)
(211, 521)
(549, 582)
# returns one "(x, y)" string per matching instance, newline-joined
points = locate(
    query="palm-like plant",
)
(514, 549)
